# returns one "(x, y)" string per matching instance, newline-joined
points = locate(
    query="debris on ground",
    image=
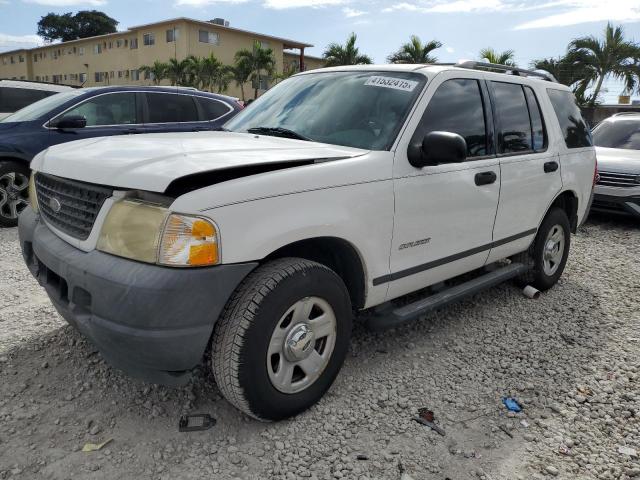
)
(427, 418)
(631, 452)
(512, 404)
(94, 447)
(196, 422)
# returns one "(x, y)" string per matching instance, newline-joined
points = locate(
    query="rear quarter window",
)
(574, 129)
(13, 99)
(212, 108)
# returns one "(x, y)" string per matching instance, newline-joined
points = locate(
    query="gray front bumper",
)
(152, 322)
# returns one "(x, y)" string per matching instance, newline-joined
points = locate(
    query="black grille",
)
(68, 205)
(623, 180)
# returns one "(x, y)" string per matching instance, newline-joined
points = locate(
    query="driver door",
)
(444, 213)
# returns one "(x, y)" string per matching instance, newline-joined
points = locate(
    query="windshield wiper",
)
(278, 132)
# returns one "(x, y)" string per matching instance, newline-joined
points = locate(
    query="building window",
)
(173, 35)
(82, 77)
(112, 74)
(80, 51)
(37, 78)
(126, 42)
(35, 58)
(135, 75)
(118, 43)
(100, 76)
(4, 61)
(110, 45)
(13, 60)
(263, 45)
(21, 59)
(97, 48)
(133, 44)
(208, 37)
(149, 39)
(264, 83)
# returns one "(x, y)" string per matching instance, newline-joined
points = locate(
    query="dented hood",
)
(151, 162)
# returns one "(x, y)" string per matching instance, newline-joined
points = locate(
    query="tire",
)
(543, 275)
(264, 329)
(14, 192)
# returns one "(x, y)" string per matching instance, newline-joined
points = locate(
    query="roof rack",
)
(39, 82)
(510, 70)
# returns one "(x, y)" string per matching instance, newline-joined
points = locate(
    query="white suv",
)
(339, 190)
(17, 94)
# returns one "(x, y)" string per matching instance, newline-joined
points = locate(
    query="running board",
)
(391, 319)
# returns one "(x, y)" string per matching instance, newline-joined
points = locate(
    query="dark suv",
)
(97, 112)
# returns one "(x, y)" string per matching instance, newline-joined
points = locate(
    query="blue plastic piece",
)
(512, 404)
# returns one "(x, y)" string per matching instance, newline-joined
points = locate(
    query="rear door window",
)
(537, 124)
(13, 99)
(457, 107)
(574, 129)
(212, 108)
(171, 108)
(514, 125)
(108, 109)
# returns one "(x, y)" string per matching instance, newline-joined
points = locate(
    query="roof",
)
(287, 43)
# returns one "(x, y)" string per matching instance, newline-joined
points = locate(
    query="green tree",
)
(611, 55)
(157, 71)
(500, 58)
(347, 54)
(259, 61)
(66, 26)
(178, 71)
(415, 52)
(240, 73)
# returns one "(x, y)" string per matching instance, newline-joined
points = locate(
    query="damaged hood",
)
(151, 162)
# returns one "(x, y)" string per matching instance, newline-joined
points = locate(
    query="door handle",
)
(550, 167)
(485, 178)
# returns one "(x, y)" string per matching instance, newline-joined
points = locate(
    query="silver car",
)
(617, 141)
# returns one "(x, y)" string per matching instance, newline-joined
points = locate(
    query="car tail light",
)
(596, 175)
(240, 103)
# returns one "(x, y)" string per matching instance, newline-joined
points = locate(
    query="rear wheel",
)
(14, 192)
(547, 256)
(282, 338)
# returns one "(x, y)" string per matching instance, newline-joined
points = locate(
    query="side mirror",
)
(69, 122)
(437, 148)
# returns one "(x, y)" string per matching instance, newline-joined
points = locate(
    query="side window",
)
(171, 108)
(109, 109)
(457, 107)
(213, 108)
(514, 133)
(13, 99)
(574, 128)
(537, 125)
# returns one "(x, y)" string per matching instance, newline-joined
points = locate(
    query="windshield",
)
(354, 109)
(618, 134)
(42, 107)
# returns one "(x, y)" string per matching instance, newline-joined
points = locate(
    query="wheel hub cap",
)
(299, 343)
(553, 250)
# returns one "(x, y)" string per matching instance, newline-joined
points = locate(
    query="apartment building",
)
(116, 58)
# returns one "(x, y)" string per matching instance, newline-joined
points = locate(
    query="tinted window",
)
(44, 106)
(574, 128)
(13, 99)
(109, 109)
(537, 125)
(457, 107)
(618, 134)
(213, 108)
(514, 133)
(171, 108)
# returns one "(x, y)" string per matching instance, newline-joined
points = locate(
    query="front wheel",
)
(14, 192)
(547, 256)
(282, 338)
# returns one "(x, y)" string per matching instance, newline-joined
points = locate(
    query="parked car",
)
(617, 141)
(97, 112)
(339, 190)
(17, 94)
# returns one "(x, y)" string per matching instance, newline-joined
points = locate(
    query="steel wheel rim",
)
(301, 345)
(553, 250)
(14, 194)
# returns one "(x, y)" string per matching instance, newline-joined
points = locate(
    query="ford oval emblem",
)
(55, 205)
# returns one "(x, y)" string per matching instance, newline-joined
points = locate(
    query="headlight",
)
(148, 233)
(33, 198)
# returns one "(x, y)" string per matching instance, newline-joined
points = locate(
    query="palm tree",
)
(240, 73)
(609, 56)
(415, 52)
(257, 61)
(157, 71)
(500, 58)
(347, 54)
(569, 70)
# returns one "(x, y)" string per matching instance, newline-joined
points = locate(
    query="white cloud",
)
(283, 4)
(586, 11)
(14, 42)
(449, 7)
(449, 49)
(352, 12)
(202, 3)
(67, 3)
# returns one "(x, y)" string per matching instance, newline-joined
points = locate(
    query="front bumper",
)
(625, 205)
(152, 322)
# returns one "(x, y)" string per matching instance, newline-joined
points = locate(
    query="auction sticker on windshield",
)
(390, 82)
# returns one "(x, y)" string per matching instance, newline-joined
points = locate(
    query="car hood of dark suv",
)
(619, 160)
(152, 162)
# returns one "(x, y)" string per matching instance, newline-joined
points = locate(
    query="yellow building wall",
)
(14, 65)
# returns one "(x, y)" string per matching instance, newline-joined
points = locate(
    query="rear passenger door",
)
(444, 213)
(530, 171)
(171, 112)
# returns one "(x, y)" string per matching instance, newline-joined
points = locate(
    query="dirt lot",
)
(571, 358)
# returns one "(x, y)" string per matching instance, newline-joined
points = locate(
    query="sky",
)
(533, 29)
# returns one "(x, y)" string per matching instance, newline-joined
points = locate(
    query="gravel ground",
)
(570, 358)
